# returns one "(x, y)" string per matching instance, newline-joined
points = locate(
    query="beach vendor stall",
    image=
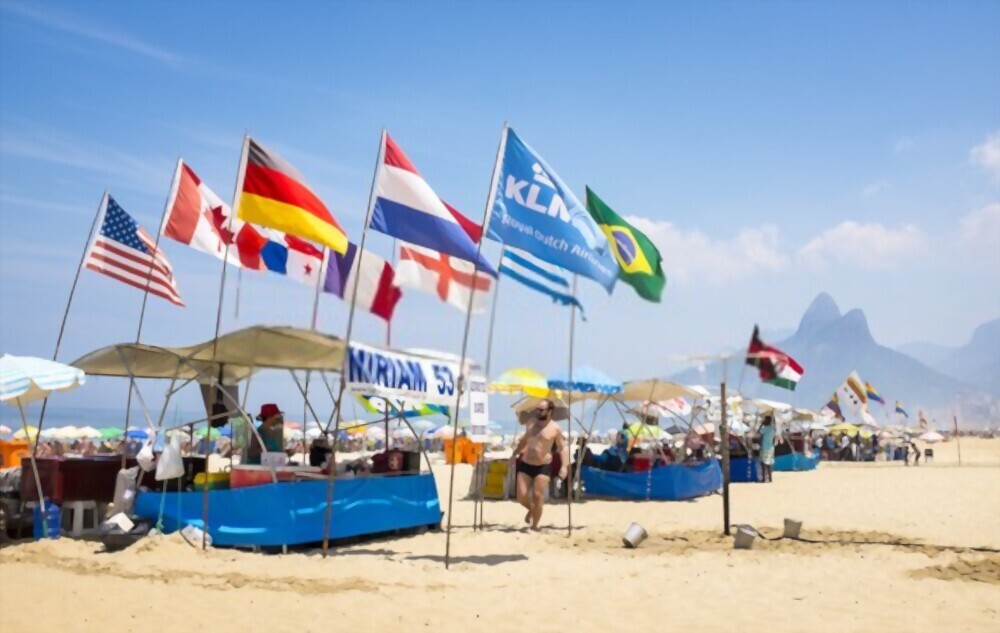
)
(663, 479)
(289, 506)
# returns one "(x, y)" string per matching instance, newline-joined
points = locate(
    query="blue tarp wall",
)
(795, 461)
(293, 513)
(672, 482)
(743, 470)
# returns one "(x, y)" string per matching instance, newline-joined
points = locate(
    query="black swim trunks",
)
(533, 471)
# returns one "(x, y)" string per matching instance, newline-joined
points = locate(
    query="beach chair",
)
(928, 455)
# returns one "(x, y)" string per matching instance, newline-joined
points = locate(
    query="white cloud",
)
(987, 155)
(869, 246)
(981, 229)
(904, 144)
(874, 188)
(691, 256)
(75, 25)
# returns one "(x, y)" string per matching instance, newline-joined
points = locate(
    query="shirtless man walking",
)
(534, 460)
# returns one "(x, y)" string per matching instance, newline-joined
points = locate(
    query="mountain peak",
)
(821, 312)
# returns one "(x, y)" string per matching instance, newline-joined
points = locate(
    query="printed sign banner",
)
(389, 374)
(479, 410)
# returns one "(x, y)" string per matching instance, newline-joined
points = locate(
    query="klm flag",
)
(533, 210)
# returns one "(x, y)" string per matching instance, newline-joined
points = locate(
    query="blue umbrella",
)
(137, 434)
(586, 380)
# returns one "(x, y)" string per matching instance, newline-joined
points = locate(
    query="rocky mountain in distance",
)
(830, 344)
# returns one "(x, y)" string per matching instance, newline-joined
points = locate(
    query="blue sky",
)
(772, 150)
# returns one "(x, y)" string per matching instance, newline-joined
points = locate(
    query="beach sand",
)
(897, 560)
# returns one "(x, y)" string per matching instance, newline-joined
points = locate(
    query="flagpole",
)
(142, 311)
(478, 506)
(69, 302)
(345, 371)
(465, 338)
(569, 423)
(234, 210)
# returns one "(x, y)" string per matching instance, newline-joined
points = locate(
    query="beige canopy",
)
(655, 389)
(238, 354)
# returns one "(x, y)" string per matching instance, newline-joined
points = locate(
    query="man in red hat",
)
(271, 430)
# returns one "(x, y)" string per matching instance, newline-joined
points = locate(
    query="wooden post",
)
(958, 439)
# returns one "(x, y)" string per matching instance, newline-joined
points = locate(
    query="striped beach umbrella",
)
(24, 379)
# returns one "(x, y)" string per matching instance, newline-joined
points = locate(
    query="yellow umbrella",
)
(32, 431)
(515, 382)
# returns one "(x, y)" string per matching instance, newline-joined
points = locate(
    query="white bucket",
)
(634, 535)
(792, 528)
(744, 538)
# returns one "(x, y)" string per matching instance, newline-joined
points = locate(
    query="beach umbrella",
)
(443, 433)
(23, 434)
(109, 432)
(88, 433)
(313, 433)
(525, 409)
(4, 429)
(139, 434)
(63, 433)
(24, 379)
(520, 381)
(375, 432)
(289, 434)
(422, 426)
(931, 436)
(289, 424)
(587, 382)
(640, 430)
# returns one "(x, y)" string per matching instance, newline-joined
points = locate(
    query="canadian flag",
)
(196, 216)
(450, 278)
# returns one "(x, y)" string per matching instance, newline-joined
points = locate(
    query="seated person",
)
(271, 431)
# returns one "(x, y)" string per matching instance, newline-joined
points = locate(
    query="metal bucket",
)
(744, 538)
(634, 535)
(792, 528)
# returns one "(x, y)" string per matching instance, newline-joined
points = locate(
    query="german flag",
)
(275, 195)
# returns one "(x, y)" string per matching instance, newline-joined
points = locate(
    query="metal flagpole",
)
(345, 371)
(142, 311)
(313, 325)
(569, 423)
(465, 339)
(477, 506)
(724, 438)
(234, 210)
(69, 302)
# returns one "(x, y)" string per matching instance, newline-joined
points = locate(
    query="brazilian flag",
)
(639, 262)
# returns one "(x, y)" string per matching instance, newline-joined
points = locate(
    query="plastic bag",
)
(171, 463)
(146, 457)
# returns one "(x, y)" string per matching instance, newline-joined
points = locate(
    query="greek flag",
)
(539, 276)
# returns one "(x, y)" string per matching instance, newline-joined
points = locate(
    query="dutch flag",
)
(408, 209)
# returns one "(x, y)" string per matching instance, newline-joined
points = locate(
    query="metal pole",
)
(477, 507)
(569, 423)
(69, 302)
(958, 439)
(465, 341)
(345, 371)
(34, 467)
(145, 298)
(724, 437)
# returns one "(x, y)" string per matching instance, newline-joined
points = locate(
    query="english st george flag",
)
(196, 216)
(122, 250)
(776, 367)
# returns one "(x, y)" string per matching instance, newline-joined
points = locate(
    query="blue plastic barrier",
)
(672, 482)
(745, 471)
(293, 513)
(795, 462)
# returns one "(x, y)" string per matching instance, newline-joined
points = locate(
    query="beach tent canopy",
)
(656, 389)
(766, 406)
(238, 353)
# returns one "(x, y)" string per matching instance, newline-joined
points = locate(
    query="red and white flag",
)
(196, 216)
(450, 278)
(122, 250)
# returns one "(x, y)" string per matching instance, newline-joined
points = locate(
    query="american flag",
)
(124, 251)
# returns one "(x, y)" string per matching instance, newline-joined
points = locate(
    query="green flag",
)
(638, 260)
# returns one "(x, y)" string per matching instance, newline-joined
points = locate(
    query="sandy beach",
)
(898, 559)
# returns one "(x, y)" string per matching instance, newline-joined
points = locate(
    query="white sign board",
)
(479, 410)
(389, 374)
